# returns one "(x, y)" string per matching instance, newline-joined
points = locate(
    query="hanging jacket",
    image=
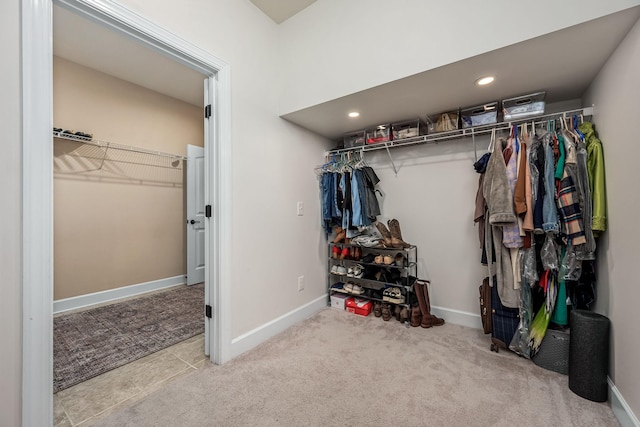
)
(511, 232)
(570, 211)
(581, 182)
(549, 210)
(497, 194)
(595, 170)
(536, 164)
(371, 180)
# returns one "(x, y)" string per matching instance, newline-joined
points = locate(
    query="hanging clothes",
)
(348, 194)
(595, 171)
(499, 198)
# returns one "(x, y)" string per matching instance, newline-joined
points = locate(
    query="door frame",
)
(37, 185)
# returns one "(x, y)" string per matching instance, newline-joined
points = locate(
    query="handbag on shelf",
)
(447, 122)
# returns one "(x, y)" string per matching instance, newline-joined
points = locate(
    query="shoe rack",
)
(366, 273)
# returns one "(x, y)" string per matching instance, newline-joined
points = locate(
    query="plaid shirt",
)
(570, 213)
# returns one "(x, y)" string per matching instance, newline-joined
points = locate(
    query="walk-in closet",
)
(414, 213)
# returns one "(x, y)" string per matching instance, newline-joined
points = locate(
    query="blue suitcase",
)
(504, 321)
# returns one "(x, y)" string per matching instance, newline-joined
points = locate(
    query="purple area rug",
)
(92, 342)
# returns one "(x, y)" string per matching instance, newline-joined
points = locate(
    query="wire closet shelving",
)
(470, 132)
(86, 157)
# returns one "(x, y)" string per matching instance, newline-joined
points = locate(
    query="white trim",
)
(37, 206)
(220, 270)
(37, 214)
(620, 408)
(262, 333)
(82, 301)
(457, 317)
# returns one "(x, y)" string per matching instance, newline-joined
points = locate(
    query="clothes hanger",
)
(575, 127)
(492, 141)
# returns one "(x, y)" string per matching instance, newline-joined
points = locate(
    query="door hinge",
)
(207, 111)
(207, 211)
(208, 311)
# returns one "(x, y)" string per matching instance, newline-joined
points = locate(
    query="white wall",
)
(614, 93)
(273, 162)
(433, 198)
(335, 48)
(10, 217)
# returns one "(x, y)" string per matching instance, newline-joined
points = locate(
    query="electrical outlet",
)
(300, 283)
(300, 208)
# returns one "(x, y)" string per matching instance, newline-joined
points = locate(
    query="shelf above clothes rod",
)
(471, 132)
(83, 157)
(115, 146)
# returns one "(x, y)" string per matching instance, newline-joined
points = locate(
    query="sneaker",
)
(357, 289)
(349, 287)
(334, 269)
(338, 287)
(386, 294)
(394, 295)
(357, 271)
(341, 271)
(350, 272)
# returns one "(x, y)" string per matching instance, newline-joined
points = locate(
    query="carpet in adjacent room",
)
(97, 340)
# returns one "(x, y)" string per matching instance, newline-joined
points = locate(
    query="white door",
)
(195, 215)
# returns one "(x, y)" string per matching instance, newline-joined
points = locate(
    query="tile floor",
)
(92, 400)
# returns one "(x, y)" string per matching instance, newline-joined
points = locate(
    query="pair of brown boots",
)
(392, 236)
(341, 235)
(423, 316)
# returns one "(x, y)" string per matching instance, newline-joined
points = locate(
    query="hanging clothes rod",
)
(466, 132)
(114, 146)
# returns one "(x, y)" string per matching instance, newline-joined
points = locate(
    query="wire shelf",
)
(81, 157)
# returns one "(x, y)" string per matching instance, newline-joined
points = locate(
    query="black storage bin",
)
(589, 355)
(554, 351)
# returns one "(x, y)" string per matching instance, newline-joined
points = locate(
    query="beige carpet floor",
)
(339, 369)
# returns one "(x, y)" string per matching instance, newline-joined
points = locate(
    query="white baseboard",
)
(82, 301)
(620, 408)
(457, 317)
(262, 333)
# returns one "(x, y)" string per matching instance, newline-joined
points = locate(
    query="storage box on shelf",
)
(379, 134)
(521, 107)
(373, 272)
(485, 114)
(408, 129)
(354, 139)
(443, 122)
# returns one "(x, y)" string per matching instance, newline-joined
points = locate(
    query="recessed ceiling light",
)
(485, 80)
(354, 114)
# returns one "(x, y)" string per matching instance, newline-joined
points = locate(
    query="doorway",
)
(37, 184)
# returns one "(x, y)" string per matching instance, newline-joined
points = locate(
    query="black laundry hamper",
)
(589, 355)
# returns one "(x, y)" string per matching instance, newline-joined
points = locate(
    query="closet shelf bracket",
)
(393, 165)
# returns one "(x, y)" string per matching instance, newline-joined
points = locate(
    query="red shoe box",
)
(359, 306)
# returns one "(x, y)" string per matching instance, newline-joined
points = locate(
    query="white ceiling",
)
(562, 63)
(95, 46)
(281, 10)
